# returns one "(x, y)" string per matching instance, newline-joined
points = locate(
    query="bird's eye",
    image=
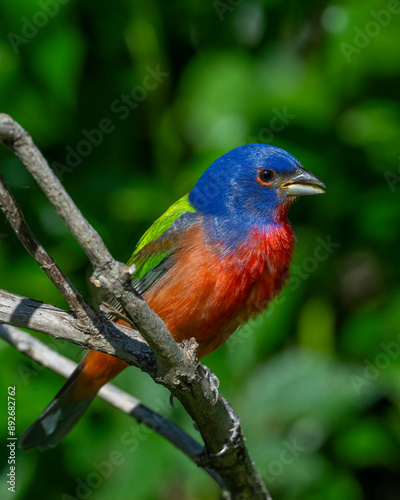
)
(266, 176)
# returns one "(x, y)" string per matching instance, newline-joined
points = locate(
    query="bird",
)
(211, 262)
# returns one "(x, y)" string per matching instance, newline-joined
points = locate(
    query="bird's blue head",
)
(252, 184)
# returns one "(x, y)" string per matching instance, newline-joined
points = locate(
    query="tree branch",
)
(114, 276)
(41, 353)
(175, 367)
(111, 338)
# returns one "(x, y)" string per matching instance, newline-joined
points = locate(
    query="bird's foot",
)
(212, 380)
(205, 458)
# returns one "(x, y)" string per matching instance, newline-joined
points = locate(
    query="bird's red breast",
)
(208, 293)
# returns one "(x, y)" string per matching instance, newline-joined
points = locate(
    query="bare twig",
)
(17, 221)
(20, 142)
(176, 367)
(111, 338)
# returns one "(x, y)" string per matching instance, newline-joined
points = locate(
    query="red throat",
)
(208, 295)
(282, 210)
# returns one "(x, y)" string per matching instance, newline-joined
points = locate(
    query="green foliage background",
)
(315, 372)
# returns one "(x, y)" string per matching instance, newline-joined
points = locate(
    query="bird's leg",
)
(212, 380)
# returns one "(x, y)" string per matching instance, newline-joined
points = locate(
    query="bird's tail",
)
(64, 411)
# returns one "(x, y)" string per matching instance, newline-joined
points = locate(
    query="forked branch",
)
(153, 349)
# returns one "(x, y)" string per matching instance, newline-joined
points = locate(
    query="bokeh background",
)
(319, 374)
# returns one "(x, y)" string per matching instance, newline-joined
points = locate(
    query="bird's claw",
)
(205, 457)
(171, 401)
(234, 434)
(234, 431)
(212, 380)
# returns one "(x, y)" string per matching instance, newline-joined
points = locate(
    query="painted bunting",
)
(210, 263)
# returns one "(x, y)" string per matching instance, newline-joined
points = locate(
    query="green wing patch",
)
(156, 245)
(159, 241)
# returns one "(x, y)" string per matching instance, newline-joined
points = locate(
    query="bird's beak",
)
(302, 183)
